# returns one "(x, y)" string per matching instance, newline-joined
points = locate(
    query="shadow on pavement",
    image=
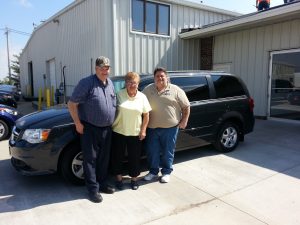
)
(273, 145)
(18, 192)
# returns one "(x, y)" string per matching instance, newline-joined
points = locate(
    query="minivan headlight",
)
(36, 135)
(10, 111)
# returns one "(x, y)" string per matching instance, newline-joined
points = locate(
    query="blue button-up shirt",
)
(97, 102)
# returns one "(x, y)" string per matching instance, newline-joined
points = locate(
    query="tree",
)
(5, 80)
(15, 67)
(15, 76)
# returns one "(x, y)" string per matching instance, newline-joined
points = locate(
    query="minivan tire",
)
(71, 164)
(228, 137)
(4, 130)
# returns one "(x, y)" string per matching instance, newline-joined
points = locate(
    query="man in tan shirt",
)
(170, 112)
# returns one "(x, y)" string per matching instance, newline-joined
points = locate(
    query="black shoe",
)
(95, 197)
(119, 185)
(134, 185)
(107, 189)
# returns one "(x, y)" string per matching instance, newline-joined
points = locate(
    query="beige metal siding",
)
(81, 35)
(142, 52)
(85, 35)
(103, 27)
(248, 51)
(38, 51)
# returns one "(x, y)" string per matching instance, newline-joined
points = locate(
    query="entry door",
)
(284, 91)
(51, 78)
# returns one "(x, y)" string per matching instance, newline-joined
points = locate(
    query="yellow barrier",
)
(40, 99)
(48, 97)
(28, 90)
(52, 96)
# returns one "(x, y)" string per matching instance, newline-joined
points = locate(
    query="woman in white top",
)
(129, 129)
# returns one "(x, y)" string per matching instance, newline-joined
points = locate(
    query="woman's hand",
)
(142, 135)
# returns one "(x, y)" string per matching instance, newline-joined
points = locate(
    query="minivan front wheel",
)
(4, 130)
(71, 164)
(228, 137)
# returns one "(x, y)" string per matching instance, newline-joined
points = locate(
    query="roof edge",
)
(52, 18)
(279, 11)
(203, 7)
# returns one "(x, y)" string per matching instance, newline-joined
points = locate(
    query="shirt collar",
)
(101, 82)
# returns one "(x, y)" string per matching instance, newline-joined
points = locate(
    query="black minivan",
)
(221, 114)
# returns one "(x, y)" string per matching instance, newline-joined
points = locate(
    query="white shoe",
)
(165, 178)
(150, 176)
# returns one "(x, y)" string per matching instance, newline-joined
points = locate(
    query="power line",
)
(15, 31)
(7, 31)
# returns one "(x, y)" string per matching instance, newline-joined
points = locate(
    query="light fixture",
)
(55, 21)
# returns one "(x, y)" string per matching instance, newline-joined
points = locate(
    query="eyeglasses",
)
(104, 67)
(132, 83)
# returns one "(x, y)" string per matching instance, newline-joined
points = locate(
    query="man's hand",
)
(73, 109)
(79, 127)
(182, 124)
(185, 117)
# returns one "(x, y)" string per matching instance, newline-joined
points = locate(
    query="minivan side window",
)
(227, 86)
(145, 83)
(196, 88)
(119, 84)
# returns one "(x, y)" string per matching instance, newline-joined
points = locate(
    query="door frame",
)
(51, 73)
(272, 53)
(30, 80)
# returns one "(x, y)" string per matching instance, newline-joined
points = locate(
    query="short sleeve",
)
(182, 98)
(81, 92)
(146, 105)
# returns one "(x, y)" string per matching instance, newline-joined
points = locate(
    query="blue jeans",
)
(263, 5)
(160, 147)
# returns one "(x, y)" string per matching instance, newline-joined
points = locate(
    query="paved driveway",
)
(256, 184)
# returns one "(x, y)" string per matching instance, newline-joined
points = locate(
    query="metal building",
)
(264, 49)
(137, 35)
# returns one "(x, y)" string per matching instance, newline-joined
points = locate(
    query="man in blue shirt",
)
(92, 107)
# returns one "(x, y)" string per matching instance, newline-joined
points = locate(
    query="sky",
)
(23, 15)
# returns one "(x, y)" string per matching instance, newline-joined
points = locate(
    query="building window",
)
(150, 17)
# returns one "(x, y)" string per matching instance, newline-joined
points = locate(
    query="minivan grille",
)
(15, 134)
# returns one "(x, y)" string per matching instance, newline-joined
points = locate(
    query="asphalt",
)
(26, 107)
(258, 183)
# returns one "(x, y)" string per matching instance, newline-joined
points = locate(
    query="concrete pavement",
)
(258, 183)
(25, 107)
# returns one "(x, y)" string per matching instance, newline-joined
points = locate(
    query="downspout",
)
(115, 20)
(64, 80)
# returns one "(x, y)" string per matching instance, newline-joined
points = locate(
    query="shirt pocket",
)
(113, 100)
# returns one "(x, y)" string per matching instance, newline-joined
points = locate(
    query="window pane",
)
(137, 15)
(227, 86)
(150, 17)
(144, 83)
(186, 81)
(118, 85)
(163, 23)
(285, 86)
(196, 88)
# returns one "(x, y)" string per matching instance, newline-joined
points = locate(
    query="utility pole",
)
(8, 60)
(7, 30)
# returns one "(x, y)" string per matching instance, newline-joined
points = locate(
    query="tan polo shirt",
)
(166, 106)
